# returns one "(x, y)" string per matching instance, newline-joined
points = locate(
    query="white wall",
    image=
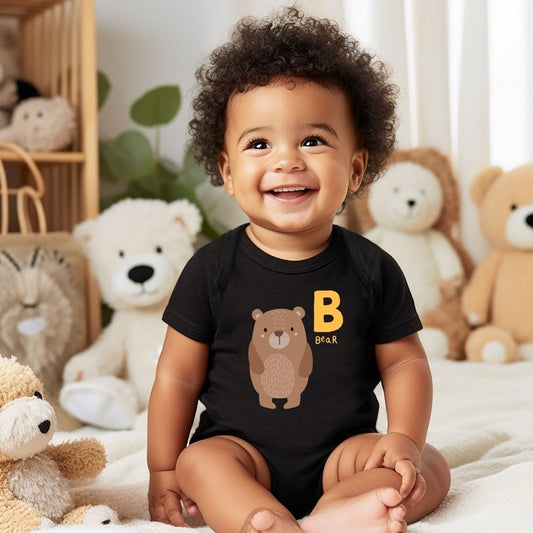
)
(144, 43)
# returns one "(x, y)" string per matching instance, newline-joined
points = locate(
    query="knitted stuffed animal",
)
(34, 475)
(42, 124)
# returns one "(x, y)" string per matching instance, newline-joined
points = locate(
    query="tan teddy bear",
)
(498, 297)
(280, 357)
(412, 212)
(34, 475)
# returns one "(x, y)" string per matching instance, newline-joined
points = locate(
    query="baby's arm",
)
(180, 375)
(408, 389)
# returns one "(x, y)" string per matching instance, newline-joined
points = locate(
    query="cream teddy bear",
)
(412, 212)
(136, 250)
(497, 300)
(34, 475)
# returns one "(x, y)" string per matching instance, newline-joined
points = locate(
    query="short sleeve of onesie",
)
(394, 309)
(189, 309)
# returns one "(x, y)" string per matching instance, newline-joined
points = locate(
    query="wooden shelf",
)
(57, 53)
(23, 8)
(45, 157)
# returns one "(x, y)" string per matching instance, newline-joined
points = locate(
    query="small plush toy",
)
(136, 250)
(412, 212)
(498, 297)
(34, 475)
(42, 124)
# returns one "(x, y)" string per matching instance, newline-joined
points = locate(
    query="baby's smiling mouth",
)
(289, 192)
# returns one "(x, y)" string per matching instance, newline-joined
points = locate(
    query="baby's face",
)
(291, 154)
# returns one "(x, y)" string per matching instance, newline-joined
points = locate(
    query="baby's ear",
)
(359, 162)
(223, 168)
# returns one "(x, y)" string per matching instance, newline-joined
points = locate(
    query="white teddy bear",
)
(412, 212)
(136, 249)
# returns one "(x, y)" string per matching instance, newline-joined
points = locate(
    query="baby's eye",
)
(258, 144)
(313, 141)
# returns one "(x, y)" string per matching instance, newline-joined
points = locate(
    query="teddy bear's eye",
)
(121, 253)
(265, 330)
(513, 207)
(423, 192)
(40, 114)
(38, 395)
(158, 249)
(396, 190)
(26, 116)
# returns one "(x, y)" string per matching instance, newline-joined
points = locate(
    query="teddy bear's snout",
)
(44, 426)
(529, 220)
(140, 273)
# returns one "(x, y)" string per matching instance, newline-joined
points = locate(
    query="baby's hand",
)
(164, 501)
(399, 453)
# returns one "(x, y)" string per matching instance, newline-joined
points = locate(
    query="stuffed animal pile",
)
(34, 475)
(497, 300)
(136, 250)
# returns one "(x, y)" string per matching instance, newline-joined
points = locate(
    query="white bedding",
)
(482, 422)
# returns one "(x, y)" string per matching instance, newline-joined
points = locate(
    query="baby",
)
(284, 326)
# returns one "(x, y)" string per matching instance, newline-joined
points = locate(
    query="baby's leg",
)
(229, 481)
(345, 481)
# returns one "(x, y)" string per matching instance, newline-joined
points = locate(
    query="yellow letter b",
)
(327, 306)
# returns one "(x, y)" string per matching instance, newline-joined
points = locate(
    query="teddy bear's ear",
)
(83, 232)
(299, 311)
(188, 215)
(482, 183)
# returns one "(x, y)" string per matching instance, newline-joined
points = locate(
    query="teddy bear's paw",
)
(494, 352)
(92, 515)
(100, 514)
(46, 523)
(474, 319)
(490, 344)
(106, 402)
(435, 343)
(525, 351)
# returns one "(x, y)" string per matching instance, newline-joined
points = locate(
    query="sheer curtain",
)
(464, 68)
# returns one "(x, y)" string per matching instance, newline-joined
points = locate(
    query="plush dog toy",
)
(136, 249)
(34, 475)
(412, 212)
(42, 124)
(498, 297)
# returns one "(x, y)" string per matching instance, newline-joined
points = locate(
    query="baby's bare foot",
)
(265, 520)
(377, 511)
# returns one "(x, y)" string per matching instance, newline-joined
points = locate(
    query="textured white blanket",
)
(482, 422)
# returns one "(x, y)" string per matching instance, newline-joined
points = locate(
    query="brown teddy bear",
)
(412, 212)
(34, 475)
(280, 358)
(498, 297)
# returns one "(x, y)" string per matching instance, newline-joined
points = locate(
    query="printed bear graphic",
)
(280, 358)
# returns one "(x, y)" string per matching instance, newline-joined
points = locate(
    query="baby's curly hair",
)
(291, 44)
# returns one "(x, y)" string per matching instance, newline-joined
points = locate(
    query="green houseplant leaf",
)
(129, 156)
(157, 107)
